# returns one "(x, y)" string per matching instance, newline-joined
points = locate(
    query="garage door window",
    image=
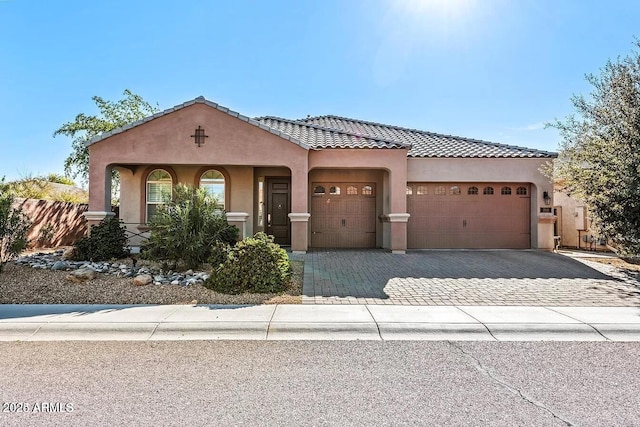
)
(334, 191)
(455, 190)
(472, 191)
(352, 190)
(521, 191)
(409, 191)
(422, 190)
(367, 190)
(440, 190)
(318, 190)
(487, 191)
(505, 191)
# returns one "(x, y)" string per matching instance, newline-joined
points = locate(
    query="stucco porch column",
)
(398, 216)
(545, 231)
(299, 216)
(99, 193)
(239, 219)
(398, 232)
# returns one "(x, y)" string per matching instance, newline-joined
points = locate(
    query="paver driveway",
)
(500, 277)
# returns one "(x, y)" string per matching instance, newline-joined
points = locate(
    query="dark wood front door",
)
(278, 209)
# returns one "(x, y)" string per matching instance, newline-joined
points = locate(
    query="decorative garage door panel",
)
(343, 215)
(469, 216)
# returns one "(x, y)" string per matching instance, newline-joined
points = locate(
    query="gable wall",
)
(231, 141)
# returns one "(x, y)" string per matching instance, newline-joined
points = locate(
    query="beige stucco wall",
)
(568, 209)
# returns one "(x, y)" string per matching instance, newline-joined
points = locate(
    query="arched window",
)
(521, 191)
(409, 191)
(487, 191)
(159, 185)
(455, 190)
(352, 190)
(213, 182)
(367, 190)
(334, 191)
(440, 190)
(472, 190)
(505, 191)
(422, 190)
(318, 190)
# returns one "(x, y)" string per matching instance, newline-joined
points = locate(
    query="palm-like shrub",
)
(185, 228)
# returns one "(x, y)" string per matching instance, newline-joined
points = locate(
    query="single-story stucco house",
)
(329, 181)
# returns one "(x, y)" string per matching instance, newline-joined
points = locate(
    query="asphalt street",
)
(319, 383)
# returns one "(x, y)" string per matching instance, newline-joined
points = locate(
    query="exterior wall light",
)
(546, 197)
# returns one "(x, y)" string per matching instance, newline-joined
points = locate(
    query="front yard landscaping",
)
(23, 284)
(192, 256)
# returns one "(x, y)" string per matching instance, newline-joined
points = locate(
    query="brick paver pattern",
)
(501, 277)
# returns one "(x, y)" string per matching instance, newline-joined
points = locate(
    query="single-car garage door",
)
(343, 215)
(473, 216)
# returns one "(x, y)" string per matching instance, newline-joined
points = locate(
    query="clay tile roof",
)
(426, 144)
(319, 137)
(323, 132)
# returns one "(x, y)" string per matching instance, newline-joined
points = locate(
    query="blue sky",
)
(486, 69)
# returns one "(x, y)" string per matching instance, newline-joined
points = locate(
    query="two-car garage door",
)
(473, 216)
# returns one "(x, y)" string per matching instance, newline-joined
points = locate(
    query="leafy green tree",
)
(187, 227)
(111, 115)
(599, 159)
(14, 226)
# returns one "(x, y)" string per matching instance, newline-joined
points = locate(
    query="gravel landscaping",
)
(21, 283)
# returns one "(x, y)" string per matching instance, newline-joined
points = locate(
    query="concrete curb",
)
(302, 322)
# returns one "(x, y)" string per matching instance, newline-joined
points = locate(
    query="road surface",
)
(341, 383)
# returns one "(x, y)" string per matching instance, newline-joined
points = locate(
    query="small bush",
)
(107, 240)
(185, 229)
(14, 226)
(255, 265)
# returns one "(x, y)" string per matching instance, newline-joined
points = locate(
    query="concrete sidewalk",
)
(316, 322)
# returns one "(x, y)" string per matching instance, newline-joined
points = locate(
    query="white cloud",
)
(530, 128)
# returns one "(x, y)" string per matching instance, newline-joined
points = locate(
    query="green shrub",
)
(107, 240)
(14, 226)
(186, 228)
(256, 265)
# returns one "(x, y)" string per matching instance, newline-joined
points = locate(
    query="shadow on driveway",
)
(453, 276)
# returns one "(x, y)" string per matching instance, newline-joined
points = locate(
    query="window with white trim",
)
(159, 186)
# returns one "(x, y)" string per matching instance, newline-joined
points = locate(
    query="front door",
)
(278, 209)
